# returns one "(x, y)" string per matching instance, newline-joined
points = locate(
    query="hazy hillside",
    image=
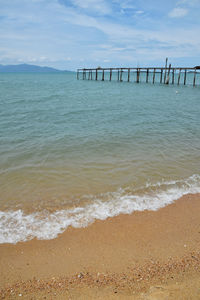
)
(27, 68)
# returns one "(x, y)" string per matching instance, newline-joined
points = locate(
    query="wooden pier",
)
(163, 75)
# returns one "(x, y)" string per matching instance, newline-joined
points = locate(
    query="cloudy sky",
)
(68, 34)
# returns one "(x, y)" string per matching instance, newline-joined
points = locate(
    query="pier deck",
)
(165, 75)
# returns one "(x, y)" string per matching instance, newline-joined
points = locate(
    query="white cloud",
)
(99, 6)
(125, 4)
(178, 12)
(139, 12)
(188, 2)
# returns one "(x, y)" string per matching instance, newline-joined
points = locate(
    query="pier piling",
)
(165, 70)
(173, 75)
(120, 75)
(110, 74)
(185, 77)
(102, 75)
(138, 75)
(168, 75)
(161, 75)
(194, 80)
(147, 76)
(128, 75)
(179, 76)
(154, 73)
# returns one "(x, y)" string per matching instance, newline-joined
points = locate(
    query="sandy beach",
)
(146, 255)
(99, 150)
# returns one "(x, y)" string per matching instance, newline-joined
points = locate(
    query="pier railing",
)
(167, 75)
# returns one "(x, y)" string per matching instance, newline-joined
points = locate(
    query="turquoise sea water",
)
(72, 151)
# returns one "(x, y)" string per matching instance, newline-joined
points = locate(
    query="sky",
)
(71, 34)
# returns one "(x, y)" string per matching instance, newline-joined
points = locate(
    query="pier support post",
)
(165, 70)
(121, 72)
(168, 75)
(96, 77)
(138, 75)
(173, 76)
(77, 75)
(103, 75)
(118, 75)
(161, 75)
(185, 77)
(154, 73)
(147, 77)
(110, 74)
(128, 75)
(179, 76)
(194, 80)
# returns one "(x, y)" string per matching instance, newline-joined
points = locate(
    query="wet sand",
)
(145, 255)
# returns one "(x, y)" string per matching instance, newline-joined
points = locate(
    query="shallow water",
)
(72, 151)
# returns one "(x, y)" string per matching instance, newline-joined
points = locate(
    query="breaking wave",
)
(16, 226)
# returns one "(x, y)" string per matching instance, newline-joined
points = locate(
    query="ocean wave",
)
(16, 226)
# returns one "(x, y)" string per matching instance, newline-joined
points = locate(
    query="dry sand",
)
(146, 255)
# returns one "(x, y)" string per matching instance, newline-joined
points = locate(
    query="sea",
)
(75, 151)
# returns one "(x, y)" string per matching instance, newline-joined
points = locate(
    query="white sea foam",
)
(15, 226)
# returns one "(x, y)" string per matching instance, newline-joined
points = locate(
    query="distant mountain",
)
(28, 68)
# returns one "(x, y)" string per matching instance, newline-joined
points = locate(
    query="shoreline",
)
(110, 257)
(20, 225)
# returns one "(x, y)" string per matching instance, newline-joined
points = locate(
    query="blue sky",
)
(68, 34)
